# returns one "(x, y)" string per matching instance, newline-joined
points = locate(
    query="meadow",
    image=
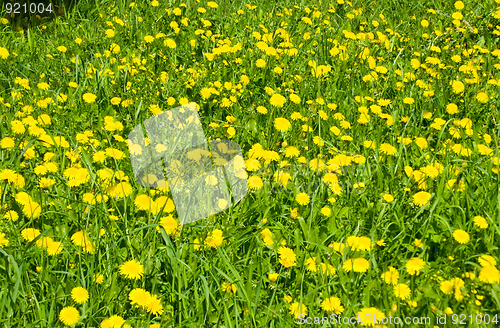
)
(371, 144)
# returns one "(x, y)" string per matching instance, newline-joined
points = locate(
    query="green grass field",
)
(370, 133)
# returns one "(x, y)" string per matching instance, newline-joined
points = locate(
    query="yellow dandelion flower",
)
(277, 100)
(287, 257)
(98, 278)
(273, 276)
(11, 215)
(260, 63)
(132, 269)
(4, 53)
(114, 321)
(480, 222)
(415, 265)
(391, 276)
(332, 305)
(388, 149)
(255, 182)
(421, 198)
(370, 317)
(110, 33)
(356, 265)
(149, 38)
(302, 198)
(388, 198)
(215, 239)
(459, 5)
(297, 309)
(228, 288)
(80, 295)
(169, 224)
(29, 234)
(482, 97)
(487, 260)
(457, 86)
(170, 43)
(461, 236)
(282, 124)
(402, 291)
(89, 97)
(69, 316)
(80, 238)
(489, 275)
(3, 240)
